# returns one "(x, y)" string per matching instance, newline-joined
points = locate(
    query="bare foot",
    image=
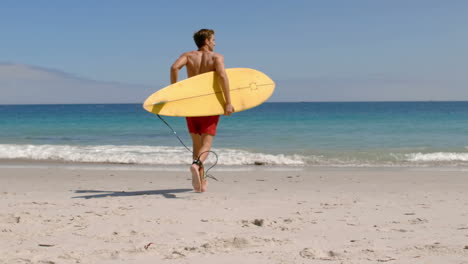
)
(204, 186)
(195, 177)
(204, 182)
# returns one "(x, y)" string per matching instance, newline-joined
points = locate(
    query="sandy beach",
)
(80, 214)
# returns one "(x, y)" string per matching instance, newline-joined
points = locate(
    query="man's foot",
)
(196, 182)
(203, 181)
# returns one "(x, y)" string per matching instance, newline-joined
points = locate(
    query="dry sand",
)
(63, 214)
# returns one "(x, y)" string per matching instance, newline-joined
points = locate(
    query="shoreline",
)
(42, 164)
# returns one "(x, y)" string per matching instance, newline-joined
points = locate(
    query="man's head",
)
(204, 37)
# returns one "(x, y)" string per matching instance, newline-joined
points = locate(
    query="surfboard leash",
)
(205, 173)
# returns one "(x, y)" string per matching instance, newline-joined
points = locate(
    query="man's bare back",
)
(199, 62)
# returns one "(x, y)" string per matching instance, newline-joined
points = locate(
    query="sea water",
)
(341, 134)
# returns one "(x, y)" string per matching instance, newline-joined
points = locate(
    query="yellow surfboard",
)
(202, 95)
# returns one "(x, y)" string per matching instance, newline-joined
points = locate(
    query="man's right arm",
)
(178, 64)
(220, 70)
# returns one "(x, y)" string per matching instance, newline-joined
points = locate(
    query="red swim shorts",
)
(202, 124)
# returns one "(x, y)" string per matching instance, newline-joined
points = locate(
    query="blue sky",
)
(315, 50)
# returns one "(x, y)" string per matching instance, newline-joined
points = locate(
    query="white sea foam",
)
(151, 155)
(438, 157)
(163, 155)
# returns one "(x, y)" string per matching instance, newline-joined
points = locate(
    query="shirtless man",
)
(203, 129)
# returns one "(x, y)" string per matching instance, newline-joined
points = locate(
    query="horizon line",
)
(280, 102)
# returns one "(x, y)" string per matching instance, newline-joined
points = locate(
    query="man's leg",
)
(201, 145)
(207, 141)
(194, 169)
(196, 144)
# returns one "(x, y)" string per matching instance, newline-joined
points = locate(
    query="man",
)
(203, 129)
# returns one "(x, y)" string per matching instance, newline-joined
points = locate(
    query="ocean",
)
(331, 134)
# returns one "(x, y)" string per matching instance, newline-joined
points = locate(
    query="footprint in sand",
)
(417, 221)
(310, 253)
(231, 243)
(10, 219)
(224, 245)
(175, 255)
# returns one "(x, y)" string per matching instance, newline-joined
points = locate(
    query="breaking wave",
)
(164, 155)
(150, 155)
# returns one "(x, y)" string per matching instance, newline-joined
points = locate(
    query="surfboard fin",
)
(161, 102)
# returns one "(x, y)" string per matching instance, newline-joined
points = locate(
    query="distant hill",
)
(26, 84)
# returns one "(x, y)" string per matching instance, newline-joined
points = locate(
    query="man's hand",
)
(228, 109)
